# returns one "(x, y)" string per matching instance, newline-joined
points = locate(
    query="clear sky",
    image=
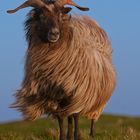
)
(119, 18)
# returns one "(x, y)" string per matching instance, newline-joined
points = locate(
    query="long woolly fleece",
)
(74, 75)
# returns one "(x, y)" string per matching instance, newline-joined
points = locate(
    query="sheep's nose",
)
(54, 32)
(53, 35)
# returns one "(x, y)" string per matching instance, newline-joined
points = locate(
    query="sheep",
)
(68, 69)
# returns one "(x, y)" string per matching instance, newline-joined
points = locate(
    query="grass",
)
(107, 128)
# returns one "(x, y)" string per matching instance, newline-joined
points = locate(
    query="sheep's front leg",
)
(61, 128)
(76, 127)
(70, 128)
(92, 129)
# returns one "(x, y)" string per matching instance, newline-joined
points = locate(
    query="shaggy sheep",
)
(68, 69)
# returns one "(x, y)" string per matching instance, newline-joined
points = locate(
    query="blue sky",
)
(119, 18)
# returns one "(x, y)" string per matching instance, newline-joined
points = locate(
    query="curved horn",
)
(32, 3)
(70, 2)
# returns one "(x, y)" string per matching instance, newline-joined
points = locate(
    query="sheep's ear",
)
(66, 10)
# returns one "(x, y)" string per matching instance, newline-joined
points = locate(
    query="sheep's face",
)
(46, 20)
(49, 26)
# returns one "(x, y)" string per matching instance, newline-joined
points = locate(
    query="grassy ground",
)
(107, 128)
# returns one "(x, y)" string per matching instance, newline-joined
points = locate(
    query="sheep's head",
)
(48, 27)
(49, 16)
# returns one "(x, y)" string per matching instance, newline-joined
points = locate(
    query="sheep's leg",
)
(61, 128)
(92, 129)
(76, 127)
(70, 128)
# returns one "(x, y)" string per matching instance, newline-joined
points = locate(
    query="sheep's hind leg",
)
(76, 127)
(70, 128)
(92, 129)
(61, 128)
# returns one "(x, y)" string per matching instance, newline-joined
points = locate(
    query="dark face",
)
(50, 24)
(49, 27)
(54, 27)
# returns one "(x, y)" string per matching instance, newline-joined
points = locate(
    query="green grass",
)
(107, 128)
